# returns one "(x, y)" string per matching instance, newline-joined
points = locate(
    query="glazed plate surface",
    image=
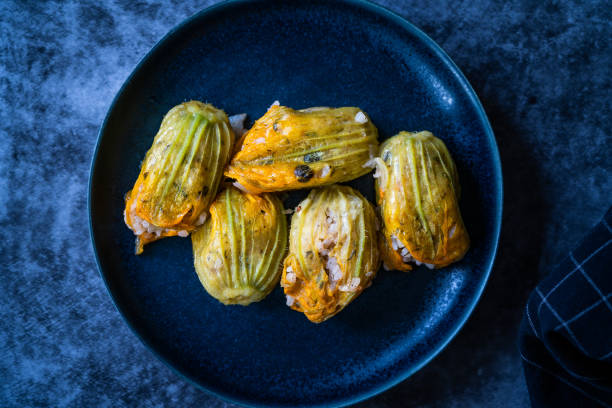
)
(241, 56)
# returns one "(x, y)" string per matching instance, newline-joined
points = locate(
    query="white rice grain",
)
(360, 117)
(396, 243)
(237, 123)
(429, 266)
(290, 277)
(333, 271)
(325, 170)
(202, 219)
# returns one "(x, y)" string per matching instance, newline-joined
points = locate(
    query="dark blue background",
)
(541, 70)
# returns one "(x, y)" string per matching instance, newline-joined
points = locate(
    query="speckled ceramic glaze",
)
(241, 56)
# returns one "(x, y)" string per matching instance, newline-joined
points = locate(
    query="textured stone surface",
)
(541, 69)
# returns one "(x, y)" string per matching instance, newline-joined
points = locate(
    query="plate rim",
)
(401, 375)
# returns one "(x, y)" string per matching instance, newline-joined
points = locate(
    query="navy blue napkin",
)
(566, 334)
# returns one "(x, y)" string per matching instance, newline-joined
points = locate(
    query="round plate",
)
(241, 56)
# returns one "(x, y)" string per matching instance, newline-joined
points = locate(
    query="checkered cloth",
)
(566, 332)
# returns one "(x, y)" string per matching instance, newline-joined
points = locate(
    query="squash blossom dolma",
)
(417, 189)
(333, 252)
(238, 251)
(290, 149)
(180, 174)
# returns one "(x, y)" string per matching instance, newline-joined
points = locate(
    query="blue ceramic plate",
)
(241, 56)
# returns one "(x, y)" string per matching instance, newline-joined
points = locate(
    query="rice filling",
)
(140, 226)
(324, 247)
(407, 257)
